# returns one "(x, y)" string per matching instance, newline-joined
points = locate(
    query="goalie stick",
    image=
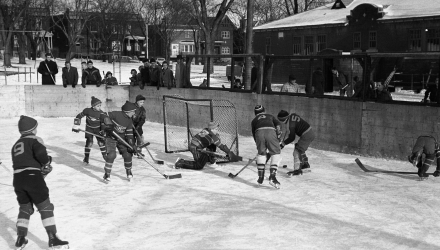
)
(239, 158)
(155, 161)
(362, 166)
(249, 162)
(164, 175)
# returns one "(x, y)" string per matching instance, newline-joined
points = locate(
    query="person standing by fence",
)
(70, 75)
(48, 69)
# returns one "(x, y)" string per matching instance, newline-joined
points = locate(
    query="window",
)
(322, 43)
(91, 44)
(226, 35)
(188, 48)
(116, 45)
(415, 40)
(188, 34)
(297, 45)
(226, 50)
(280, 34)
(267, 45)
(372, 40)
(308, 45)
(136, 46)
(433, 40)
(357, 40)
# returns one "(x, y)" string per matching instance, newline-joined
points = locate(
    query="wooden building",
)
(356, 26)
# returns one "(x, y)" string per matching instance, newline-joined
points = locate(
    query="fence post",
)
(30, 74)
(18, 75)
(25, 76)
(6, 76)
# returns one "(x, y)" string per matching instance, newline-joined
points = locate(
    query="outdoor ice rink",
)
(336, 206)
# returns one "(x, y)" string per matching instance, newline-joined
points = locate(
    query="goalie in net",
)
(186, 119)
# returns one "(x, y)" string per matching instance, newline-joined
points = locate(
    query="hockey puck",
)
(284, 166)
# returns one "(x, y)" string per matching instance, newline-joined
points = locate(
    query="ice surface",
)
(336, 206)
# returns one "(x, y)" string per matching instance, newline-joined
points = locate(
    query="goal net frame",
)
(184, 118)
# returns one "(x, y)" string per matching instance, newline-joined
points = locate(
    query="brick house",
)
(356, 26)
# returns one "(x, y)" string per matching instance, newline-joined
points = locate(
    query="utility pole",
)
(249, 29)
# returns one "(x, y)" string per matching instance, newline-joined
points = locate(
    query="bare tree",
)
(71, 17)
(209, 15)
(11, 12)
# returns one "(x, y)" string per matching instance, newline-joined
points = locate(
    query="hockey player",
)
(31, 164)
(139, 120)
(424, 152)
(209, 140)
(296, 126)
(118, 122)
(93, 126)
(266, 131)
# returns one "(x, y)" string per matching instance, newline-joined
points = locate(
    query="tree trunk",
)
(21, 39)
(70, 52)
(8, 51)
(209, 44)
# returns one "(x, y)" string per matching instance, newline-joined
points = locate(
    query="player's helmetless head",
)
(97, 107)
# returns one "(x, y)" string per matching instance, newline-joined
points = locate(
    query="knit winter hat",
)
(283, 115)
(259, 109)
(213, 125)
(140, 98)
(128, 106)
(95, 101)
(26, 124)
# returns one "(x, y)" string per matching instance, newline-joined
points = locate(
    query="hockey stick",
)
(102, 137)
(361, 165)
(155, 161)
(235, 175)
(128, 145)
(50, 73)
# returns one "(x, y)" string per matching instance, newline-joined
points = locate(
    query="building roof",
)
(324, 15)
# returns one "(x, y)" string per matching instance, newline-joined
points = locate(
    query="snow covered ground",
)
(336, 206)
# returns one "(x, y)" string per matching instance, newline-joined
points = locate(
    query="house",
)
(109, 33)
(357, 26)
(186, 38)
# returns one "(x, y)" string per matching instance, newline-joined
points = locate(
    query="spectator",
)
(382, 94)
(344, 86)
(91, 75)
(155, 73)
(167, 76)
(431, 93)
(83, 67)
(318, 82)
(291, 86)
(359, 89)
(109, 80)
(48, 69)
(69, 75)
(145, 74)
(134, 81)
(180, 72)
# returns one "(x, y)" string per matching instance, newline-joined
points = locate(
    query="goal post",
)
(184, 118)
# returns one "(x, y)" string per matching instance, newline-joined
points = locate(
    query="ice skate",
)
(424, 177)
(260, 176)
(295, 172)
(129, 174)
(56, 243)
(106, 178)
(86, 161)
(305, 167)
(21, 242)
(273, 179)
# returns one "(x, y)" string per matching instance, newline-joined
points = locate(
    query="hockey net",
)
(184, 118)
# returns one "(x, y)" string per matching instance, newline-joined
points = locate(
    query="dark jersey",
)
(139, 116)
(29, 153)
(205, 138)
(92, 117)
(297, 126)
(265, 121)
(123, 125)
